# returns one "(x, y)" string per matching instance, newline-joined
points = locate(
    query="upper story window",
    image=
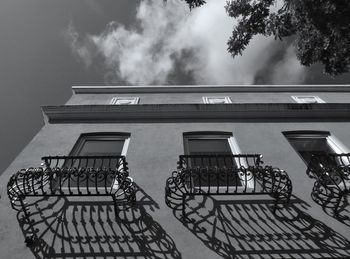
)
(308, 143)
(206, 146)
(216, 99)
(207, 143)
(307, 99)
(105, 144)
(323, 155)
(125, 100)
(101, 144)
(98, 150)
(213, 150)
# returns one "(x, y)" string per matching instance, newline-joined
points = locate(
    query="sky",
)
(48, 46)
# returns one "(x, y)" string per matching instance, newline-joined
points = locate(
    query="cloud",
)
(167, 38)
(81, 47)
(288, 70)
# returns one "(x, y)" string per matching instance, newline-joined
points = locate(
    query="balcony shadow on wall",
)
(89, 229)
(329, 203)
(249, 229)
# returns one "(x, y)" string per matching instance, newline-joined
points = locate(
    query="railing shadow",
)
(333, 203)
(89, 229)
(249, 229)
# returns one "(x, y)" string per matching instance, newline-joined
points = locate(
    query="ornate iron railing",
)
(74, 176)
(215, 172)
(228, 161)
(332, 175)
(225, 175)
(85, 162)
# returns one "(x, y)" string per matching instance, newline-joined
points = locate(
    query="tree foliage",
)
(195, 3)
(320, 28)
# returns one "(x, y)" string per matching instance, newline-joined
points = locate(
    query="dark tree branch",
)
(321, 28)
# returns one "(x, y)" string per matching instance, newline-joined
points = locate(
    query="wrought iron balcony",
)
(215, 172)
(332, 175)
(226, 175)
(74, 176)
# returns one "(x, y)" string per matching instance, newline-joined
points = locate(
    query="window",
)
(100, 145)
(213, 151)
(208, 145)
(216, 99)
(125, 100)
(308, 143)
(307, 99)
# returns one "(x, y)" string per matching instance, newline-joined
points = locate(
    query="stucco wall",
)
(152, 156)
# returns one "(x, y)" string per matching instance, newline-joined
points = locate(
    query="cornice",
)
(254, 112)
(209, 88)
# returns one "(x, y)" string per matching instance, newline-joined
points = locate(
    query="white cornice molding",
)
(255, 112)
(209, 88)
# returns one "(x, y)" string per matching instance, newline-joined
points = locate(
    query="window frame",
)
(235, 150)
(206, 99)
(299, 98)
(134, 100)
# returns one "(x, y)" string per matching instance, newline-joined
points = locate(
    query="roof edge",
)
(209, 88)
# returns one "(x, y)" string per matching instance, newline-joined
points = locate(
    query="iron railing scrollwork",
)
(74, 176)
(332, 179)
(225, 175)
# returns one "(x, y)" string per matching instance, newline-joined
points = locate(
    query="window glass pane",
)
(209, 147)
(102, 148)
(307, 147)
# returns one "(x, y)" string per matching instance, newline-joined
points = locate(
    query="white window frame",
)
(208, 99)
(302, 98)
(134, 100)
(234, 149)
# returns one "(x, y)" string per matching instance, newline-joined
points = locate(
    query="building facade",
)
(152, 126)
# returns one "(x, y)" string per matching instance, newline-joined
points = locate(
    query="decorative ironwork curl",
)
(274, 181)
(175, 189)
(225, 175)
(332, 179)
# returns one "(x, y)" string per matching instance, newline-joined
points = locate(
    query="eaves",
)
(246, 112)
